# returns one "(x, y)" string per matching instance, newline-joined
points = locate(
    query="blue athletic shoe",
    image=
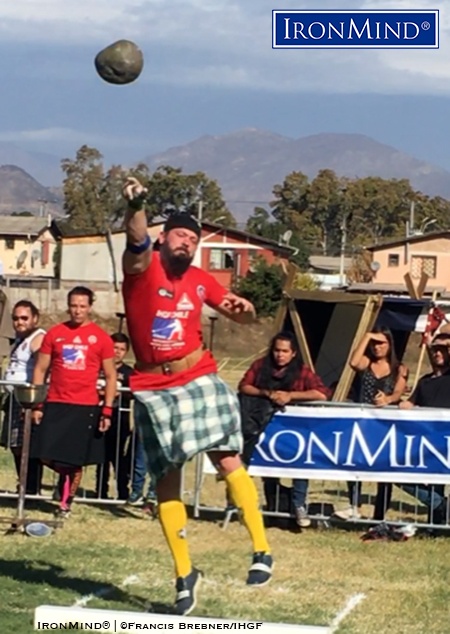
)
(260, 572)
(135, 499)
(186, 588)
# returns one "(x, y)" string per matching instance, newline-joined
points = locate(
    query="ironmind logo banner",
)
(355, 29)
(341, 442)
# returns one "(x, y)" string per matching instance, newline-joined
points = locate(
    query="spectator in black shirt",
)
(433, 390)
(117, 435)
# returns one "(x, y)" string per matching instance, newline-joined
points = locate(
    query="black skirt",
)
(69, 434)
(13, 422)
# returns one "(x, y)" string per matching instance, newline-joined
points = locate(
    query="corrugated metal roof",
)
(328, 263)
(378, 287)
(417, 237)
(22, 225)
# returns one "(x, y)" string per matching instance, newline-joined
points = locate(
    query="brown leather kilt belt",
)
(171, 367)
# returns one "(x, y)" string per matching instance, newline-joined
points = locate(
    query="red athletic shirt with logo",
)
(77, 353)
(164, 321)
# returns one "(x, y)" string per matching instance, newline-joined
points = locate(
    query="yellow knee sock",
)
(173, 518)
(243, 492)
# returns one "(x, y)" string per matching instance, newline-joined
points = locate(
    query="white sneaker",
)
(349, 513)
(301, 517)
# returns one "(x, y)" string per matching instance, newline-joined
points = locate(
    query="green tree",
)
(171, 190)
(291, 199)
(93, 199)
(431, 214)
(263, 287)
(324, 200)
(83, 188)
(111, 192)
(260, 224)
(379, 208)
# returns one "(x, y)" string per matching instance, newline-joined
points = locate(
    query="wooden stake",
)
(423, 349)
(412, 290)
(368, 318)
(300, 335)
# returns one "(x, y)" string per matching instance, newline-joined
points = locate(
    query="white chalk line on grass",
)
(351, 604)
(103, 592)
(342, 614)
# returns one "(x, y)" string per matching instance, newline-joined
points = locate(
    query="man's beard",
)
(177, 263)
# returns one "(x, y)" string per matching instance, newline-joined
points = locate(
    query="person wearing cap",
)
(182, 407)
(433, 390)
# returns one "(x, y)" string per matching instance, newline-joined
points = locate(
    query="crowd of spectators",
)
(77, 350)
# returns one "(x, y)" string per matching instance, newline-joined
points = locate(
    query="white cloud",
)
(64, 135)
(228, 43)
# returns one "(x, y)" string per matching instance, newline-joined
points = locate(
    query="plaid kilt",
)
(178, 423)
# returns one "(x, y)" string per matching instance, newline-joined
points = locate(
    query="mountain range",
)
(19, 191)
(246, 164)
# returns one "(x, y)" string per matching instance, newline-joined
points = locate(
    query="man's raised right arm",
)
(137, 255)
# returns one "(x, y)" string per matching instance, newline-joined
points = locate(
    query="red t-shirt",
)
(77, 353)
(164, 321)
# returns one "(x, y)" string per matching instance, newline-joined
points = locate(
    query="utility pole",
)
(342, 254)
(42, 207)
(198, 260)
(411, 219)
(345, 216)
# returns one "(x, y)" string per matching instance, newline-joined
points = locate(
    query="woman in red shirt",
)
(278, 378)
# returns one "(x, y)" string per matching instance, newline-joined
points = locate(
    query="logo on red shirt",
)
(201, 292)
(167, 329)
(74, 356)
(185, 303)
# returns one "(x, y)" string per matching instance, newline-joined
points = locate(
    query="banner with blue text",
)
(394, 28)
(356, 443)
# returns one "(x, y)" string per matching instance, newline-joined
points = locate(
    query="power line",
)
(253, 202)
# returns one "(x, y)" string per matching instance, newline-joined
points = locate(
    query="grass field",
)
(317, 571)
(120, 558)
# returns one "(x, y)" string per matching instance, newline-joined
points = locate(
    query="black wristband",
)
(138, 203)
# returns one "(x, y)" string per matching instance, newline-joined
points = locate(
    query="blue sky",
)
(209, 69)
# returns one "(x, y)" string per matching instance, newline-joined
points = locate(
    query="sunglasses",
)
(20, 318)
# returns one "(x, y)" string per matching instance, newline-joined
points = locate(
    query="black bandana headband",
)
(182, 220)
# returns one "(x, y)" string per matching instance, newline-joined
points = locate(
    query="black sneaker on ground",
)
(260, 572)
(187, 588)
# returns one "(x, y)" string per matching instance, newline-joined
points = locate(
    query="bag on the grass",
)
(388, 533)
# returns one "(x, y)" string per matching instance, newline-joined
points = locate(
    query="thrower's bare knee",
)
(225, 463)
(168, 488)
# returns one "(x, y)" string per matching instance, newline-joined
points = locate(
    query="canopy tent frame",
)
(369, 306)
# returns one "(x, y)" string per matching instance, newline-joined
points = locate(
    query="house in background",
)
(326, 269)
(224, 252)
(228, 253)
(27, 247)
(426, 253)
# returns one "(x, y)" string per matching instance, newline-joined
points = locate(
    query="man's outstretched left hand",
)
(237, 308)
